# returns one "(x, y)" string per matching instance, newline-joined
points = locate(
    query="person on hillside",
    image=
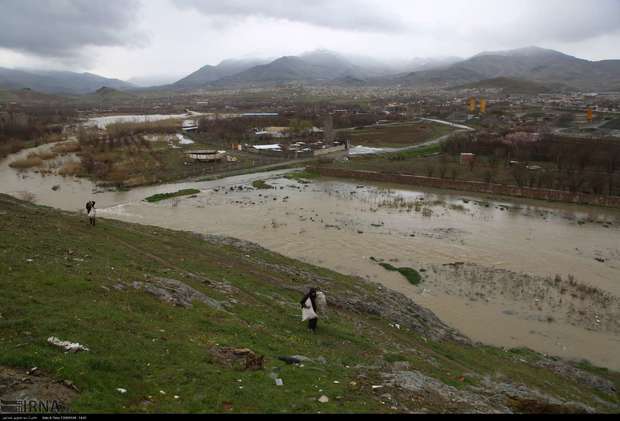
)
(92, 212)
(309, 309)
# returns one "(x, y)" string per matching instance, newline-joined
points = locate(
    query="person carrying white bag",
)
(309, 310)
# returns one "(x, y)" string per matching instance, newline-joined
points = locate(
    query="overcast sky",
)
(171, 38)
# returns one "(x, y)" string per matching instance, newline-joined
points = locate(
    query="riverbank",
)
(471, 186)
(151, 351)
(340, 225)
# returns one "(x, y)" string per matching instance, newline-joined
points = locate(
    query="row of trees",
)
(566, 154)
(18, 126)
(576, 166)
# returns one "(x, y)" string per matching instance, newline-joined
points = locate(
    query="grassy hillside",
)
(125, 292)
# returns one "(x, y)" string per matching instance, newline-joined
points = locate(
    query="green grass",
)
(412, 275)
(415, 153)
(302, 176)
(144, 345)
(262, 185)
(398, 134)
(165, 196)
(613, 124)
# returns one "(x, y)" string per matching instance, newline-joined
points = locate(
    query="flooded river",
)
(504, 272)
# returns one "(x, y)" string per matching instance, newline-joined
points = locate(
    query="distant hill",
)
(512, 86)
(544, 69)
(108, 94)
(525, 70)
(440, 78)
(321, 66)
(532, 63)
(420, 64)
(58, 82)
(284, 69)
(209, 74)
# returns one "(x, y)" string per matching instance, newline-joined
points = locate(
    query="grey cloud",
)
(565, 20)
(353, 15)
(61, 28)
(536, 21)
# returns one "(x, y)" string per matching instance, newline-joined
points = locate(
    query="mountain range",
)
(535, 69)
(320, 66)
(55, 82)
(533, 64)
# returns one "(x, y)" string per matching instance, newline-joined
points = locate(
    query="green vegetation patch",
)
(303, 176)
(165, 196)
(415, 153)
(262, 185)
(412, 275)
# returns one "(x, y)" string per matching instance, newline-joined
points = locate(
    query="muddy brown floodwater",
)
(510, 273)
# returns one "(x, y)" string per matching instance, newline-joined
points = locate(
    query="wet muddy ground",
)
(504, 272)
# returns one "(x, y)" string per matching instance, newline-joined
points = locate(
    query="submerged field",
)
(125, 291)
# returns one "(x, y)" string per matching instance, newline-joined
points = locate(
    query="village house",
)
(189, 126)
(467, 158)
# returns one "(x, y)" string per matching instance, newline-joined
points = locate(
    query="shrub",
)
(165, 196)
(412, 275)
(261, 185)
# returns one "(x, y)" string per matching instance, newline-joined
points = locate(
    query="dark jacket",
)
(312, 296)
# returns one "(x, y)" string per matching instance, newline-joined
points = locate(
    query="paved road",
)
(447, 123)
(362, 150)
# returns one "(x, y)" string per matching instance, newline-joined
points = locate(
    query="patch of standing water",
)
(104, 122)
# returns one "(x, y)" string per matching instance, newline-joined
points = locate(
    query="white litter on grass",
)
(121, 391)
(323, 399)
(66, 345)
(184, 141)
(279, 382)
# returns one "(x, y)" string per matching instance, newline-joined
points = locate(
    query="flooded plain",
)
(504, 272)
